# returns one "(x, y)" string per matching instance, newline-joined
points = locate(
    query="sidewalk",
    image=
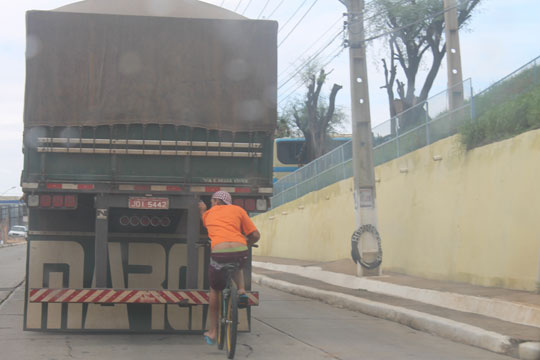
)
(499, 320)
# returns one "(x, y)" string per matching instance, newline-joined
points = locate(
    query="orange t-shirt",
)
(227, 223)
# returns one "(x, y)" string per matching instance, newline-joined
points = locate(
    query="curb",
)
(10, 245)
(449, 329)
(495, 308)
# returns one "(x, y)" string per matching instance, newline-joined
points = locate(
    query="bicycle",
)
(228, 311)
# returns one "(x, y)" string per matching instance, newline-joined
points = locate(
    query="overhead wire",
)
(275, 9)
(366, 40)
(300, 83)
(238, 5)
(312, 45)
(298, 23)
(311, 58)
(264, 8)
(293, 15)
(247, 6)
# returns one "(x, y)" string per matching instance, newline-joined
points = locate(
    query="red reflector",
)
(54, 186)
(212, 189)
(58, 201)
(155, 221)
(142, 187)
(45, 200)
(249, 204)
(238, 202)
(174, 188)
(145, 221)
(85, 186)
(70, 201)
(165, 221)
(242, 190)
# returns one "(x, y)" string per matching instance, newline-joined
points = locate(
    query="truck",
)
(133, 114)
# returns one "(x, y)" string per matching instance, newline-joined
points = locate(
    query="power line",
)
(238, 5)
(299, 83)
(293, 15)
(264, 8)
(309, 59)
(247, 6)
(313, 44)
(277, 7)
(299, 68)
(298, 23)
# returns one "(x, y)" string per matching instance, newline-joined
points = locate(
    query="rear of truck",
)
(129, 121)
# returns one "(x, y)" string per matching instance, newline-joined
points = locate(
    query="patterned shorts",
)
(216, 275)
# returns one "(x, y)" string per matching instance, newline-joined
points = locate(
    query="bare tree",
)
(314, 116)
(414, 29)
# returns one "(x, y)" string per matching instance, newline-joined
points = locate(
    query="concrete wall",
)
(473, 216)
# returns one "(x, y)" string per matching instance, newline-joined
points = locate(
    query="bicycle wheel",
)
(221, 320)
(232, 322)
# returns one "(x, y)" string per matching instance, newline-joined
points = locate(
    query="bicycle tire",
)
(232, 322)
(221, 321)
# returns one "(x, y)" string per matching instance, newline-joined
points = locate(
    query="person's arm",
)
(253, 237)
(202, 207)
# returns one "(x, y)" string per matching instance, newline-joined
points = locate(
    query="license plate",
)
(149, 203)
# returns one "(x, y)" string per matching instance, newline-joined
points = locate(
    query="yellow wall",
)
(473, 216)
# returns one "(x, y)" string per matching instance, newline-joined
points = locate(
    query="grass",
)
(503, 119)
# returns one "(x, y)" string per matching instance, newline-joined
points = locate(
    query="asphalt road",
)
(284, 327)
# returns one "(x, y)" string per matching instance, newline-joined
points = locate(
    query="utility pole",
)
(453, 55)
(368, 240)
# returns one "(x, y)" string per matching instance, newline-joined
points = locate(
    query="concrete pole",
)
(363, 170)
(538, 276)
(453, 55)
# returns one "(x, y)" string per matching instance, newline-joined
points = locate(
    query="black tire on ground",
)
(232, 322)
(221, 325)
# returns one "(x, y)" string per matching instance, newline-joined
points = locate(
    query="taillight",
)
(45, 200)
(239, 202)
(58, 201)
(134, 220)
(249, 204)
(70, 201)
(124, 220)
(145, 220)
(155, 221)
(165, 221)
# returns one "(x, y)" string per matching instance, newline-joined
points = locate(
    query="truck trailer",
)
(133, 113)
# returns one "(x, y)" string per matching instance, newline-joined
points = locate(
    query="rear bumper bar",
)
(126, 296)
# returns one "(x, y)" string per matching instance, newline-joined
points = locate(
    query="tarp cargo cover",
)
(96, 69)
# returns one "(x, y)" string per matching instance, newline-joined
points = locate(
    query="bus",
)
(288, 155)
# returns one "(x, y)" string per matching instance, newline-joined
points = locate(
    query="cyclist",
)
(230, 231)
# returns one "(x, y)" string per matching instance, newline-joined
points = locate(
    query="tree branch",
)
(331, 106)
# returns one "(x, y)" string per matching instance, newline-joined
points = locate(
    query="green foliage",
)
(415, 35)
(503, 120)
(335, 126)
(314, 116)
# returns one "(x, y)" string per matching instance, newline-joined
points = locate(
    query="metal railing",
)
(413, 129)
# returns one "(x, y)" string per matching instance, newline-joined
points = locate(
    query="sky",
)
(501, 37)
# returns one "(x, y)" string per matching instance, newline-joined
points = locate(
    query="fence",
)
(413, 129)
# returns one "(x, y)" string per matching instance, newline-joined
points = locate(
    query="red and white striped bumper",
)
(126, 296)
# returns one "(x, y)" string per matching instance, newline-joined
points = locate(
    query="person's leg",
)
(239, 280)
(213, 314)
